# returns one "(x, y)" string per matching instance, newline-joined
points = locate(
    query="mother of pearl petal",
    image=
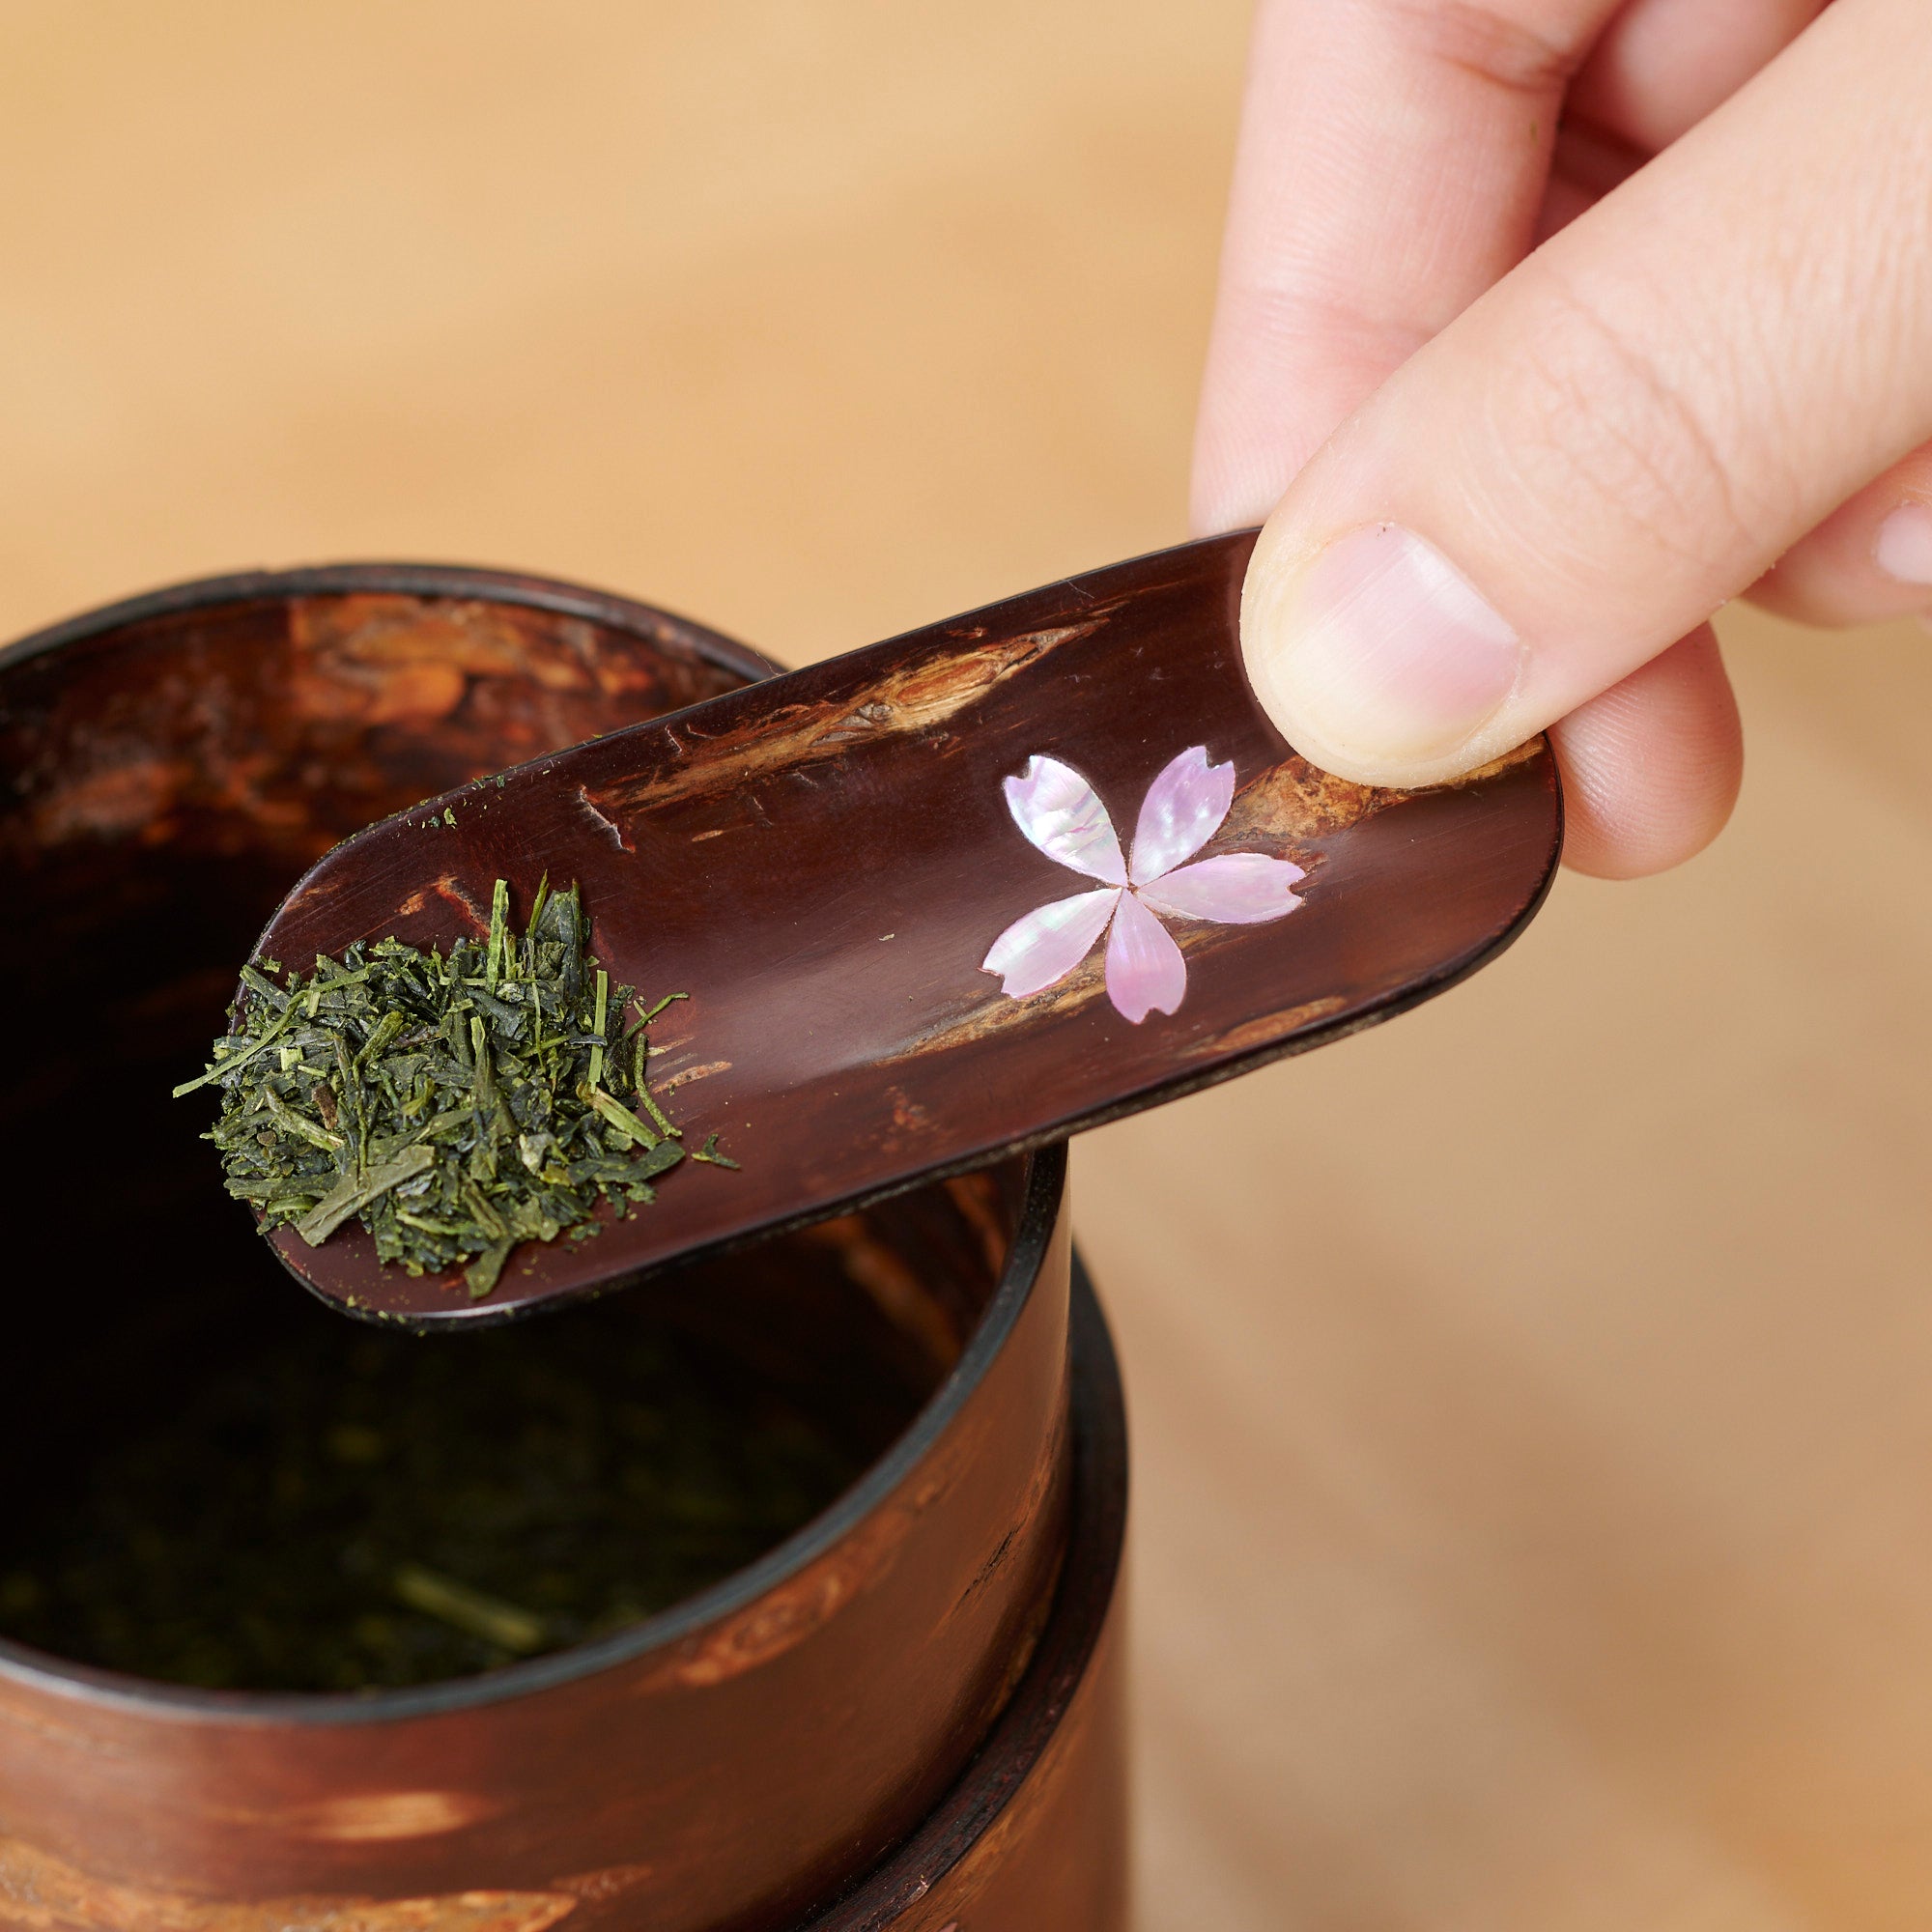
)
(1236, 888)
(1062, 813)
(1049, 942)
(1182, 810)
(1144, 969)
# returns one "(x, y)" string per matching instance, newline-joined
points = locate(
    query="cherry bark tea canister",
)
(904, 1714)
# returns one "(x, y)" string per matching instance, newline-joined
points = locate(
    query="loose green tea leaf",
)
(519, 1632)
(315, 1506)
(354, 1191)
(455, 1103)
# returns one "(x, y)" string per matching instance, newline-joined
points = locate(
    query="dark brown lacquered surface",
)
(736, 1764)
(1032, 1838)
(729, 1765)
(200, 1820)
(823, 861)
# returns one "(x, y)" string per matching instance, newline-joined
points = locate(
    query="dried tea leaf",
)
(521, 1631)
(457, 1103)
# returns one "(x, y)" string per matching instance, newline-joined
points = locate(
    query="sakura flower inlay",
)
(1062, 813)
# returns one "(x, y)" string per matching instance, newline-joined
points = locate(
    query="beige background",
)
(1531, 1397)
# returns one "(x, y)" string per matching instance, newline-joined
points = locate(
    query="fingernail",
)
(1379, 652)
(1904, 546)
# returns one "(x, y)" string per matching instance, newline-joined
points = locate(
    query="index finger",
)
(1391, 165)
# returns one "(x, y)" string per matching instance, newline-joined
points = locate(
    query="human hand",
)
(1518, 484)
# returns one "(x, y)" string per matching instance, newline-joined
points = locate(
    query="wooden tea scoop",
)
(827, 861)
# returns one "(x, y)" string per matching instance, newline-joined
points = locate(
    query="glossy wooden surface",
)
(1033, 1837)
(822, 860)
(1529, 1399)
(731, 1763)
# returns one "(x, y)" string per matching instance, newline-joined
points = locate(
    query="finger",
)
(1661, 66)
(1651, 768)
(1623, 434)
(1870, 559)
(1390, 167)
(1586, 164)
(1654, 72)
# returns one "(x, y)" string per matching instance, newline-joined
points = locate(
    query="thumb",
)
(1626, 430)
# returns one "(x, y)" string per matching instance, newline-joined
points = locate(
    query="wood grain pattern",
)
(1032, 1838)
(42, 1893)
(1529, 1398)
(822, 861)
(733, 1761)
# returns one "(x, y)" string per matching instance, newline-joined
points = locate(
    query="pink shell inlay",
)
(1182, 810)
(1236, 888)
(1185, 807)
(1049, 942)
(1144, 969)
(1062, 813)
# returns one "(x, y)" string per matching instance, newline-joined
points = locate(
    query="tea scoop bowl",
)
(941, 901)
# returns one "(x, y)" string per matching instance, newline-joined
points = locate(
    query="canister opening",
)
(218, 1483)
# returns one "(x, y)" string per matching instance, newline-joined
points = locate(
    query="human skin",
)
(1545, 327)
